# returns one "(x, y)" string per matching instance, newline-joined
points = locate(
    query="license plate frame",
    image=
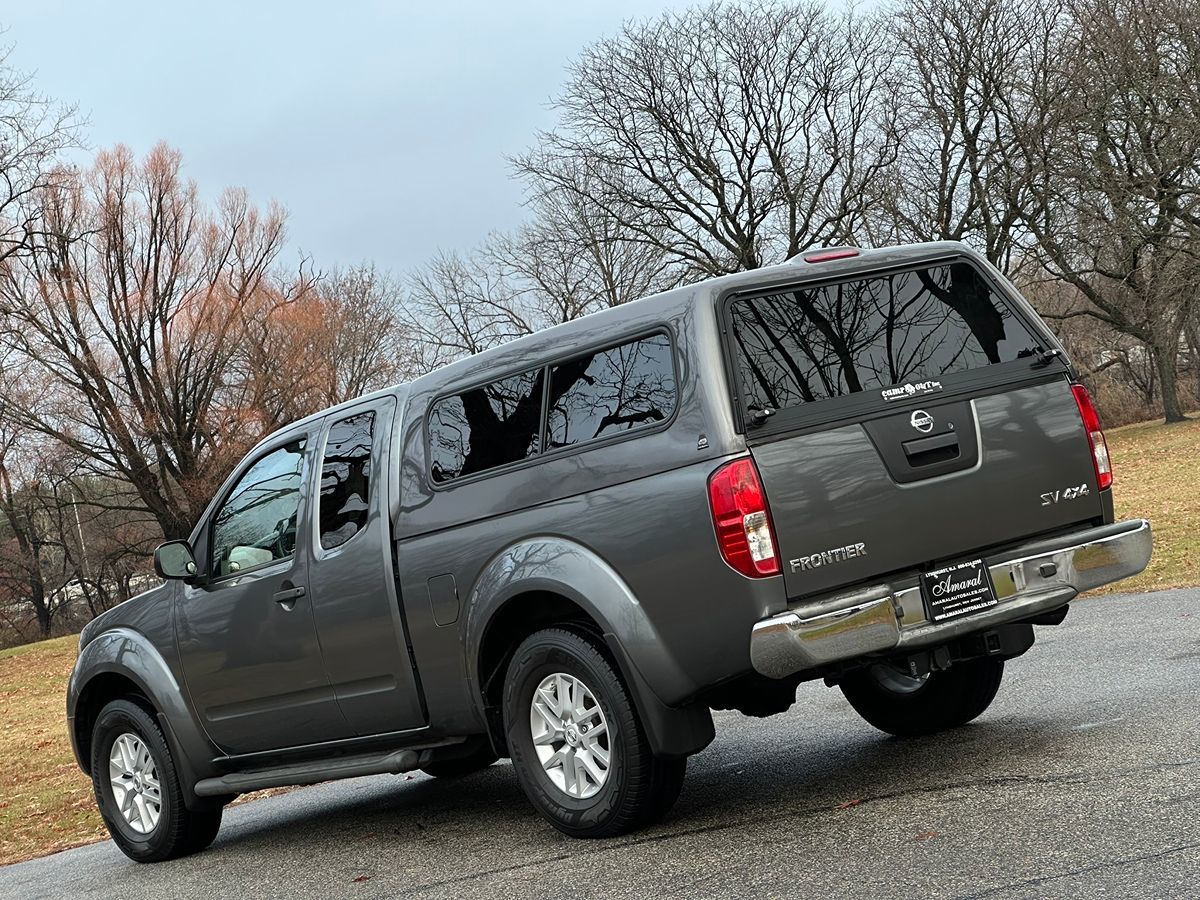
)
(958, 589)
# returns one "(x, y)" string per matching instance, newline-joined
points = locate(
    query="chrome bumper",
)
(891, 619)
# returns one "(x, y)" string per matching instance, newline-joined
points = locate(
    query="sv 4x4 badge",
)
(1071, 493)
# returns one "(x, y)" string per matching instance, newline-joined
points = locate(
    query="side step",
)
(315, 771)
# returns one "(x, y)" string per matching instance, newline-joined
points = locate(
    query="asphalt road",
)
(1082, 780)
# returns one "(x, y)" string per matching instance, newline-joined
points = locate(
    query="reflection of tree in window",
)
(812, 344)
(611, 391)
(486, 427)
(259, 516)
(345, 480)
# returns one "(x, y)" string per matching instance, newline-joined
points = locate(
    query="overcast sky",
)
(382, 127)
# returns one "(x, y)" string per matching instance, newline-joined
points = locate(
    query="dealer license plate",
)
(958, 590)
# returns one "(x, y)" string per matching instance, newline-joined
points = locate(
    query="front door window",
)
(257, 522)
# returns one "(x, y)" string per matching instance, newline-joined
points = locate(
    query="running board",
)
(314, 771)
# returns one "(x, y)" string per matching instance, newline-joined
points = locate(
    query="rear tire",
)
(907, 707)
(202, 828)
(667, 785)
(583, 760)
(138, 791)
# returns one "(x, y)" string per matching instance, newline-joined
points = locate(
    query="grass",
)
(1156, 474)
(46, 803)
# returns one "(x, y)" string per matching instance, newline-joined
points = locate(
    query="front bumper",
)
(888, 619)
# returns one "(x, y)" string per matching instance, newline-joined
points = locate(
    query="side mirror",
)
(174, 560)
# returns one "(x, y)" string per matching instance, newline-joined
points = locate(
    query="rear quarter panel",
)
(639, 505)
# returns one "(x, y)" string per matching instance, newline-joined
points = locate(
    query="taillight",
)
(742, 520)
(1095, 435)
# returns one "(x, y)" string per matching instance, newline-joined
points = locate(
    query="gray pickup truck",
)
(875, 468)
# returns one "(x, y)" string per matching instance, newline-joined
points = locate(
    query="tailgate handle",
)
(919, 447)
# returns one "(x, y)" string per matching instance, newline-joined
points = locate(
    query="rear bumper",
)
(885, 618)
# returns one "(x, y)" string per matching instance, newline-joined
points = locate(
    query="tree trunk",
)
(1168, 378)
(1193, 336)
(41, 609)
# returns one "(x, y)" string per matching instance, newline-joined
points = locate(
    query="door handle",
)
(287, 598)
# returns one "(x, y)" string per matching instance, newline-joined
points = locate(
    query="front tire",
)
(137, 788)
(908, 707)
(577, 744)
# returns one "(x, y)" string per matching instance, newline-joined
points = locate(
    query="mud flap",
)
(671, 731)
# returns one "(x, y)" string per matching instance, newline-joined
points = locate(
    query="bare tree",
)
(1192, 333)
(333, 338)
(459, 305)
(365, 337)
(1117, 161)
(33, 132)
(969, 73)
(1116, 366)
(107, 543)
(33, 566)
(126, 320)
(727, 136)
(571, 259)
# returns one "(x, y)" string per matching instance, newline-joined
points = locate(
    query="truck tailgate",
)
(905, 417)
(861, 500)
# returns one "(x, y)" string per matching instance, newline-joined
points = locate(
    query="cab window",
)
(346, 480)
(490, 426)
(610, 391)
(257, 522)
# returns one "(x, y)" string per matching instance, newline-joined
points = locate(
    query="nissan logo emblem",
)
(922, 421)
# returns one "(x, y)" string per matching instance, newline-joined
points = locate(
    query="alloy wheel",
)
(570, 735)
(134, 780)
